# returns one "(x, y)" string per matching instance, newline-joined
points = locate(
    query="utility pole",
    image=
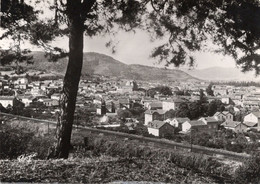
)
(191, 140)
(48, 127)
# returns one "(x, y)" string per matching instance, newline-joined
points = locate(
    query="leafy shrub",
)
(40, 145)
(14, 142)
(131, 150)
(249, 172)
(39, 129)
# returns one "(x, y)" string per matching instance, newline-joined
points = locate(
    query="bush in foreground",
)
(132, 150)
(249, 172)
(16, 141)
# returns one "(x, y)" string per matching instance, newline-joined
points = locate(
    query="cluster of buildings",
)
(239, 98)
(106, 96)
(159, 125)
(26, 92)
(245, 97)
(101, 95)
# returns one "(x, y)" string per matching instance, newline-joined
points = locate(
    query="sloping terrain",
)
(223, 74)
(100, 64)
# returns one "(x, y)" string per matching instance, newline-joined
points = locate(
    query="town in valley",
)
(222, 115)
(130, 91)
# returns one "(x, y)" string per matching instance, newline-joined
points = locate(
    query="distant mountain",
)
(222, 74)
(100, 64)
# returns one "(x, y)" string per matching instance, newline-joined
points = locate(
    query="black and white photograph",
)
(130, 91)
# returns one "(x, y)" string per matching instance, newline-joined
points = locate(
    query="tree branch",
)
(62, 3)
(155, 9)
(87, 6)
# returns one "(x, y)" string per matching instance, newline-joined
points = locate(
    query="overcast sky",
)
(135, 48)
(132, 48)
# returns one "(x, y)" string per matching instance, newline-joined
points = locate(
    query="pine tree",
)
(233, 25)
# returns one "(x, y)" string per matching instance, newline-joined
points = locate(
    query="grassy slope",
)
(96, 170)
(108, 159)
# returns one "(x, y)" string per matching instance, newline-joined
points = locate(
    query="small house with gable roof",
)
(151, 115)
(223, 116)
(196, 125)
(177, 122)
(212, 122)
(160, 128)
(236, 126)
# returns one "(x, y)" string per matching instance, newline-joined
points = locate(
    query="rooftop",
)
(250, 124)
(210, 119)
(155, 104)
(182, 120)
(226, 112)
(197, 123)
(159, 111)
(156, 124)
(6, 97)
(231, 124)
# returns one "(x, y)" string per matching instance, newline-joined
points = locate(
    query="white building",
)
(151, 115)
(37, 92)
(177, 122)
(160, 128)
(21, 81)
(56, 96)
(194, 125)
(49, 102)
(223, 116)
(253, 118)
(168, 105)
(26, 100)
(6, 100)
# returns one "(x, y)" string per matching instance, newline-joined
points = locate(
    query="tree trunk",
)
(70, 88)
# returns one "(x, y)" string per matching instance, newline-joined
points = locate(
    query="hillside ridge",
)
(223, 74)
(101, 64)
